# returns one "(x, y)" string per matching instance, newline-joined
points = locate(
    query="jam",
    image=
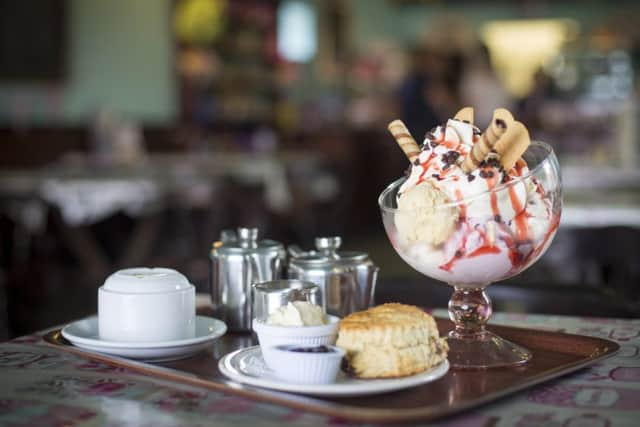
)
(315, 349)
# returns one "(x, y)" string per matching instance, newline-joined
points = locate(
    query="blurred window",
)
(297, 32)
(519, 48)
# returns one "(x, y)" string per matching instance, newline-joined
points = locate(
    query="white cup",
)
(146, 305)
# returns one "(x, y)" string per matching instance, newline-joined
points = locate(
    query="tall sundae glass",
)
(469, 220)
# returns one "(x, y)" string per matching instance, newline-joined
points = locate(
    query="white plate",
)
(84, 334)
(246, 366)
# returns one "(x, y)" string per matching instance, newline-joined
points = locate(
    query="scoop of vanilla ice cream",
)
(297, 313)
(420, 216)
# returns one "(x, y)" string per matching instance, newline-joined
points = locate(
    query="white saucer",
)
(247, 366)
(84, 334)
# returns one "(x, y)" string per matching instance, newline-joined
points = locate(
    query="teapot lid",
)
(242, 241)
(327, 254)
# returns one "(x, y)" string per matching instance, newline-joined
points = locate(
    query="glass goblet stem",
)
(471, 346)
(469, 309)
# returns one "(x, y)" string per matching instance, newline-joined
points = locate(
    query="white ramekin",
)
(146, 305)
(306, 368)
(270, 336)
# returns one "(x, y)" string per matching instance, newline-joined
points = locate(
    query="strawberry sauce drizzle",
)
(522, 229)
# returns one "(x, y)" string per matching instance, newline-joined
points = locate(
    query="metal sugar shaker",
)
(237, 261)
(347, 278)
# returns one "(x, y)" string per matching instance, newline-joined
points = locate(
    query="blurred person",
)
(414, 109)
(429, 94)
(531, 106)
(480, 87)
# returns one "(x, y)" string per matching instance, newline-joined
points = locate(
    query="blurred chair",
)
(4, 315)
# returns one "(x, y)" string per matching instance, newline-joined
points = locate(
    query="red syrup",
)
(522, 228)
(484, 250)
(425, 167)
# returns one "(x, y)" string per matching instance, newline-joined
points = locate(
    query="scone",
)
(391, 340)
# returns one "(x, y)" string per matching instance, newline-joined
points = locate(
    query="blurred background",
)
(133, 132)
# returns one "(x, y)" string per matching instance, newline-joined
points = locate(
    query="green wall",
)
(404, 23)
(120, 56)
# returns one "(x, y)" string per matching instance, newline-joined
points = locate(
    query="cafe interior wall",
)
(120, 57)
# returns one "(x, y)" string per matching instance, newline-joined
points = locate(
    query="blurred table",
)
(76, 180)
(81, 192)
(40, 385)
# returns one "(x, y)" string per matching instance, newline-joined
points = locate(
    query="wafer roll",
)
(502, 119)
(512, 145)
(404, 139)
(465, 115)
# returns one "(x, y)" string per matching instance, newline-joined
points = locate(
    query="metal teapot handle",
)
(295, 251)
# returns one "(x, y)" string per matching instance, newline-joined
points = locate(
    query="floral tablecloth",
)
(42, 386)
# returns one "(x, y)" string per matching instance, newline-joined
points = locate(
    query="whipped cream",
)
(297, 313)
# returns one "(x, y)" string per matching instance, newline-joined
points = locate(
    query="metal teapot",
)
(237, 261)
(347, 278)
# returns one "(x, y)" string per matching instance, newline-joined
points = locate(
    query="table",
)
(40, 385)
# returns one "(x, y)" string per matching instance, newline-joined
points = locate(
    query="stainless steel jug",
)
(237, 261)
(347, 278)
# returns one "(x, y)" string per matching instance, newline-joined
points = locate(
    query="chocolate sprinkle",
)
(458, 253)
(416, 162)
(470, 177)
(497, 218)
(450, 157)
(501, 123)
(492, 161)
(436, 176)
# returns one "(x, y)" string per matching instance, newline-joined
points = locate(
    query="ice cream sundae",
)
(475, 207)
(470, 212)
